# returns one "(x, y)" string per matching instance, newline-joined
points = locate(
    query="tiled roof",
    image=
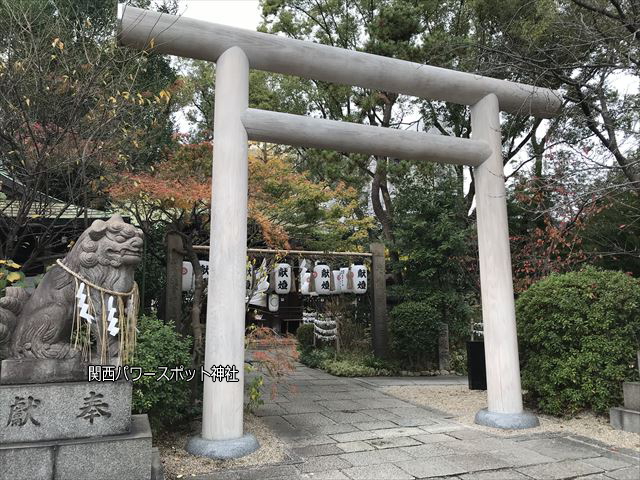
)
(52, 210)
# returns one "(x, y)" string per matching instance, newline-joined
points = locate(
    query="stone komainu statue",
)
(88, 298)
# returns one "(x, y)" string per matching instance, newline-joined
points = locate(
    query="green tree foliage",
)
(579, 334)
(570, 165)
(437, 245)
(586, 159)
(197, 95)
(390, 28)
(151, 274)
(586, 48)
(612, 235)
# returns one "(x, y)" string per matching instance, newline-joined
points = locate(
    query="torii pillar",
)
(222, 404)
(504, 392)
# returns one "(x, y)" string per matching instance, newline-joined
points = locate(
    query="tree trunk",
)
(380, 190)
(196, 307)
(384, 214)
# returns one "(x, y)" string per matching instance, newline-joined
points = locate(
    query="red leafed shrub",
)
(274, 358)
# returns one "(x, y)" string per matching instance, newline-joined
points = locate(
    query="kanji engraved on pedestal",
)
(93, 407)
(21, 412)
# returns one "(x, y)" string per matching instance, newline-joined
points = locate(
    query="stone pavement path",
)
(345, 428)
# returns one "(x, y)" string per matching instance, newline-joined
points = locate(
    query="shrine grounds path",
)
(347, 428)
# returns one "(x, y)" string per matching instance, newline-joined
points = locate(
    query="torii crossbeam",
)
(235, 51)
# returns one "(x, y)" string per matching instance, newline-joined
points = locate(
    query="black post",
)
(379, 325)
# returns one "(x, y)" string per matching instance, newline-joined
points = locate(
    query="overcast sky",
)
(237, 13)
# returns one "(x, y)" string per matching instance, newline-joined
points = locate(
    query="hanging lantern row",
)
(320, 280)
(324, 281)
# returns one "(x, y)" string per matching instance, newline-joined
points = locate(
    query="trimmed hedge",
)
(578, 337)
(414, 329)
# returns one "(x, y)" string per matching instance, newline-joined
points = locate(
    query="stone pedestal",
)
(627, 418)
(51, 411)
(71, 429)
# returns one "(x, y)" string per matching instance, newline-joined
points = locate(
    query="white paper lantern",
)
(322, 279)
(282, 278)
(359, 279)
(274, 303)
(187, 277)
(344, 276)
(337, 274)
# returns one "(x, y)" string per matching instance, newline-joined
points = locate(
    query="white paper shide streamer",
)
(111, 318)
(117, 313)
(309, 317)
(83, 306)
(325, 327)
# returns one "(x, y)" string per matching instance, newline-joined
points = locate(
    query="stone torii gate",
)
(235, 51)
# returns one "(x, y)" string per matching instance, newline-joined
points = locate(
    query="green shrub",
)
(305, 334)
(348, 368)
(316, 358)
(414, 330)
(254, 389)
(381, 364)
(458, 362)
(578, 339)
(347, 364)
(166, 401)
(353, 366)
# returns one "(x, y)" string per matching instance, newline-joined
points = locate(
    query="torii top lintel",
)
(191, 38)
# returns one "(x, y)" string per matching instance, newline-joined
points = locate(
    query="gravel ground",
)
(180, 464)
(462, 404)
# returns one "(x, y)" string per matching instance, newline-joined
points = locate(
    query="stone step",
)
(624, 419)
(631, 392)
(115, 457)
(51, 411)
